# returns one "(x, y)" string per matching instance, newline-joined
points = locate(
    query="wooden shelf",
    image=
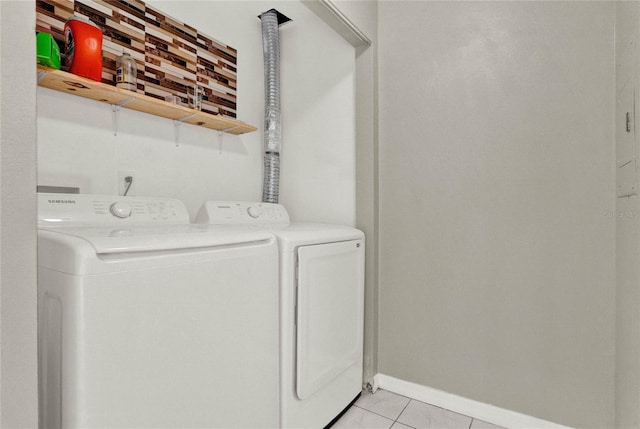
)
(87, 88)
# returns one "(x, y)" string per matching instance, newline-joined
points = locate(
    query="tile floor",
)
(387, 410)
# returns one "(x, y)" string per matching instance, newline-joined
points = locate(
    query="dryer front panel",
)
(330, 308)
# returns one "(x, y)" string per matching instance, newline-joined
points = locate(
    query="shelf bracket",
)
(220, 141)
(176, 131)
(115, 109)
(221, 134)
(184, 118)
(176, 126)
(226, 130)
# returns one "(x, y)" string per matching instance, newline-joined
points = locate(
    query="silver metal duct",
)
(270, 22)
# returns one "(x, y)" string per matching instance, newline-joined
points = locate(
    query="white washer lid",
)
(105, 240)
(91, 250)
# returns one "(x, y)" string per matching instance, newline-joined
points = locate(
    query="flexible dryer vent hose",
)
(272, 125)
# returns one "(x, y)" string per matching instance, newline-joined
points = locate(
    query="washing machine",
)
(321, 309)
(146, 320)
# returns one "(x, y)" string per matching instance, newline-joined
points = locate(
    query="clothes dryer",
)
(148, 321)
(321, 309)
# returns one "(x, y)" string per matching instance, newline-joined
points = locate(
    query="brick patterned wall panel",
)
(172, 57)
(217, 76)
(124, 32)
(51, 16)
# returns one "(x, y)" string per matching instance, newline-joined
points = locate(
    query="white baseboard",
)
(468, 407)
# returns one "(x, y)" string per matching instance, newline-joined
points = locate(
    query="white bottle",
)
(126, 71)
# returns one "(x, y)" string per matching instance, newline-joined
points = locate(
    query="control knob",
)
(254, 212)
(120, 210)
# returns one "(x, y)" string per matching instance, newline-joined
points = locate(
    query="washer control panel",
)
(242, 213)
(86, 209)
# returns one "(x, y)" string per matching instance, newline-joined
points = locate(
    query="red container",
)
(83, 43)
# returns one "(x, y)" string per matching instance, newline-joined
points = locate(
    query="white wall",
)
(497, 257)
(627, 216)
(18, 328)
(364, 15)
(77, 147)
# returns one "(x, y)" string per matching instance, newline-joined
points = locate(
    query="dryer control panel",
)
(86, 209)
(242, 213)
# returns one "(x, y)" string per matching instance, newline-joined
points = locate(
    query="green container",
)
(47, 51)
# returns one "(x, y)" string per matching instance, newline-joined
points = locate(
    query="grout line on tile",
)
(405, 407)
(390, 393)
(373, 412)
(396, 394)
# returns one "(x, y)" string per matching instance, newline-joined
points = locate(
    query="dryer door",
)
(330, 313)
